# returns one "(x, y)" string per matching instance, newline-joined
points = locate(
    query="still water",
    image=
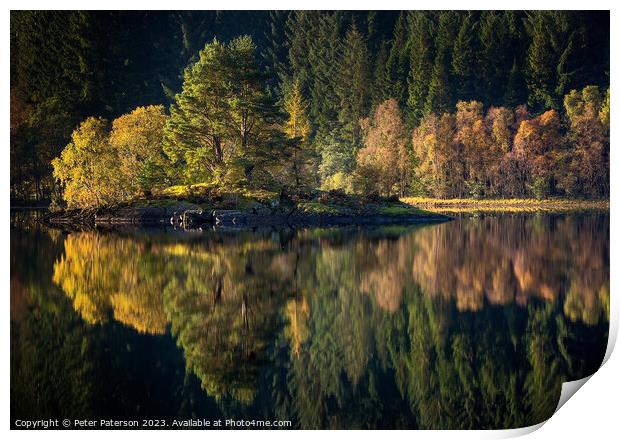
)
(474, 323)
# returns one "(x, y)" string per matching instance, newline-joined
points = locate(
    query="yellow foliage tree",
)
(99, 167)
(136, 139)
(588, 138)
(87, 167)
(439, 165)
(297, 128)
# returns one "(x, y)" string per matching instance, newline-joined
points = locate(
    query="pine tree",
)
(439, 98)
(514, 92)
(275, 54)
(323, 57)
(398, 62)
(253, 120)
(353, 87)
(373, 35)
(380, 81)
(465, 59)
(421, 64)
(515, 89)
(223, 118)
(496, 54)
(194, 139)
(300, 32)
(542, 60)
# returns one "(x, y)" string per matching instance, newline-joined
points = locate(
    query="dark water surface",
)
(473, 323)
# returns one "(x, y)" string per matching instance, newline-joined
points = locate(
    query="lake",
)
(473, 323)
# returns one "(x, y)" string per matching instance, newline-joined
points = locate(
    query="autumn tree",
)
(136, 140)
(297, 128)
(499, 122)
(500, 129)
(439, 162)
(102, 166)
(87, 166)
(383, 163)
(535, 146)
(588, 161)
(473, 142)
(604, 113)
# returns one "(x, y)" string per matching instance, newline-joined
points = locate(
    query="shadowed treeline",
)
(108, 106)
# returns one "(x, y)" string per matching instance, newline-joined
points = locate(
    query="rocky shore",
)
(188, 215)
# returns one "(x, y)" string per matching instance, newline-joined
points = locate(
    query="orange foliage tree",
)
(537, 146)
(383, 163)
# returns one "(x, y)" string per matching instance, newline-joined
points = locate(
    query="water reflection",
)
(469, 324)
(516, 259)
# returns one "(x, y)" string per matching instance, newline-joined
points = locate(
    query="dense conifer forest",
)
(110, 106)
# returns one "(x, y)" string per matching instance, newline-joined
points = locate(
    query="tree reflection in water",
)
(473, 323)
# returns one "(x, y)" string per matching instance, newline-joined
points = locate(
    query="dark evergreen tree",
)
(421, 60)
(515, 90)
(398, 61)
(380, 81)
(353, 87)
(465, 59)
(495, 55)
(275, 53)
(439, 98)
(300, 32)
(323, 56)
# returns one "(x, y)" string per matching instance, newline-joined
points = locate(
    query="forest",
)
(107, 107)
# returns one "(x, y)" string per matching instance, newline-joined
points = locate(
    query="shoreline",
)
(469, 205)
(408, 210)
(189, 216)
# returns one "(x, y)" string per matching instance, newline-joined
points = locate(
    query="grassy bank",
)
(504, 205)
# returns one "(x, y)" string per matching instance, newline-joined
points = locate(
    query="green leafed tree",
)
(224, 125)
(194, 138)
